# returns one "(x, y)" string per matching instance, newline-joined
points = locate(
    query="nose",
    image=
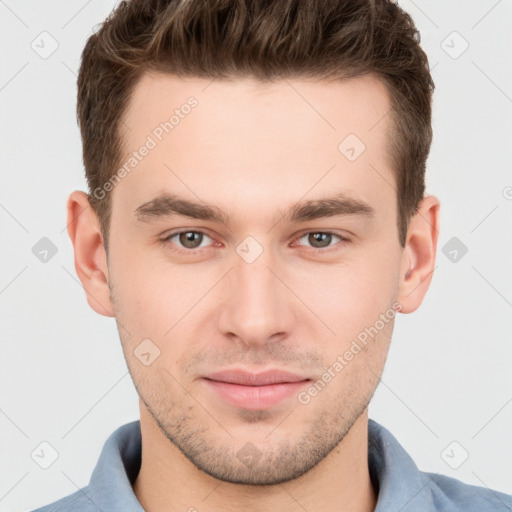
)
(258, 308)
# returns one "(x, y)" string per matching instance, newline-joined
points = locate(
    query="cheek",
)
(151, 294)
(350, 296)
(165, 304)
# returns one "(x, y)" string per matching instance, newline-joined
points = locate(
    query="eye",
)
(188, 240)
(321, 240)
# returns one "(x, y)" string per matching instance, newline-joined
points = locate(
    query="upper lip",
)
(245, 378)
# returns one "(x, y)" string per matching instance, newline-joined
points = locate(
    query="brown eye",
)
(320, 240)
(187, 240)
(190, 239)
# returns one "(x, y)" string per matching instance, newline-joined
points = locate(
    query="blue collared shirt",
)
(400, 485)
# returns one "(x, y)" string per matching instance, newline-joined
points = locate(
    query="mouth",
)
(246, 390)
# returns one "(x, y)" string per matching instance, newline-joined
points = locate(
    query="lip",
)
(254, 391)
(242, 377)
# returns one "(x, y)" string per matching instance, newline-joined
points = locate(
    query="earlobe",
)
(419, 255)
(90, 259)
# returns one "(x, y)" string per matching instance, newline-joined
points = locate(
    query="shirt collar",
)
(400, 485)
(110, 487)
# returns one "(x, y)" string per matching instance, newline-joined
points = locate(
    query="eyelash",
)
(167, 241)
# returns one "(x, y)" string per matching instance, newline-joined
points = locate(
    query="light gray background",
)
(63, 375)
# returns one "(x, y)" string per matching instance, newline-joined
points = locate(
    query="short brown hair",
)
(265, 39)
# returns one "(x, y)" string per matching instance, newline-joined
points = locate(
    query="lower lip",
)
(255, 397)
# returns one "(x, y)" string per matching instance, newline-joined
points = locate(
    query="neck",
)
(167, 480)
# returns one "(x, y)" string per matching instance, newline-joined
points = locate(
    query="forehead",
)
(231, 140)
(356, 103)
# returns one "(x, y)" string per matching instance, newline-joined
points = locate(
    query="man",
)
(255, 221)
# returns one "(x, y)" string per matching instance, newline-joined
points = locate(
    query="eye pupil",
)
(320, 237)
(189, 239)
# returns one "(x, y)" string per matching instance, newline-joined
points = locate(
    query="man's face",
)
(261, 289)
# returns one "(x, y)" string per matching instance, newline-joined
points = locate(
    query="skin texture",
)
(254, 150)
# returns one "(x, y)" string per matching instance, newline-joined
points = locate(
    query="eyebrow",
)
(168, 205)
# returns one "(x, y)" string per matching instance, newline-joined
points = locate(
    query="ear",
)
(419, 255)
(90, 258)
